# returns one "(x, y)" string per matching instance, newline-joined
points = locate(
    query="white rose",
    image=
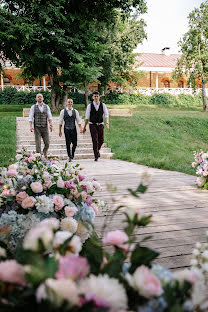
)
(69, 224)
(52, 223)
(32, 238)
(76, 244)
(60, 237)
(96, 185)
(60, 183)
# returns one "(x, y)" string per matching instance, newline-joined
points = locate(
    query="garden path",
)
(179, 208)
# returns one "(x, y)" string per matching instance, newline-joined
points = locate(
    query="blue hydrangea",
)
(163, 274)
(85, 213)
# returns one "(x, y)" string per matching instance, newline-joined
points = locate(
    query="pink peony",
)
(81, 177)
(47, 184)
(8, 192)
(58, 201)
(89, 200)
(73, 267)
(12, 272)
(31, 159)
(11, 173)
(145, 282)
(69, 185)
(28, 202)
(36, 187)
(20, 197)
(116, 238)
(70, 211)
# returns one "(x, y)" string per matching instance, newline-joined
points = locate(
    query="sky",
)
(167, 21)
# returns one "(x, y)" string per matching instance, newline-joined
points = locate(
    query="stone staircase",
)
(57, 147)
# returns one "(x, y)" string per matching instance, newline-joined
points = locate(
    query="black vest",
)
(96, 116)
(40, 119)
(69, 121)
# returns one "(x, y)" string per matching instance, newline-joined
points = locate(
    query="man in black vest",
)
(40, 115)
(94, 114)
(69, 115)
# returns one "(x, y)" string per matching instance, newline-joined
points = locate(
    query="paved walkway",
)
(179, 209)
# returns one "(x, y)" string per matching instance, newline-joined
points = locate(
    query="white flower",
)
(52, 223)
(2, 252)
(106, 288)
(18, 156)
(60, 182)
(193, 262)
(82, 232)
(205, 255)
(204, 156)
(205, 266)
(185, 275)
(60, 238)
(145, 179)
(198, 245)
(96, 185)
(131, 212)
(194, 164)
(90, 188)
(58, 291)
(69, 224)
(75, 245)
(32, 238)
(44, 204)
(196, 252)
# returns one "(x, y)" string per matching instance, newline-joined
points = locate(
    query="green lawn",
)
(159, 137)
(154, 136)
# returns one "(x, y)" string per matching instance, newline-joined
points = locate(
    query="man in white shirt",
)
(69, 115)
(94, 114)
(40, 115)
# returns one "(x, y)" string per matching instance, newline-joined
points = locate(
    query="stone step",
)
(28, 135)
(57, 145)
(79, 150)
(84, 156)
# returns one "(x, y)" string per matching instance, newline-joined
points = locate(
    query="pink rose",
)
(12, 272)
(28, 202)
(20, 197)
(145, 282)
(116, 238)
(12, 167)
(31, 159)
(47, 184)
(46, 175)
(95, 208)
(11, 173)
(8, 192)
(70, 211)
(88, 200)
(58, 201)
(36, 187)
(69, 185)
(72, 267)
(60, 183)
(81, 177)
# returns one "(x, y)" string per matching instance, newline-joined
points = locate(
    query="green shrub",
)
(78, 98)
(188, 100)
(12, 96)
(164, 99)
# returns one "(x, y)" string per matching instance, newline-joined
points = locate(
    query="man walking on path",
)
(94, 114)
(40, 115)
(69, 115)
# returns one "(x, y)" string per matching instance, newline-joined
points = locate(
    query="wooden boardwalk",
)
(179, 209)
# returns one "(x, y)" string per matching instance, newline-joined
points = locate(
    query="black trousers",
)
(71, 138)
(97, 134)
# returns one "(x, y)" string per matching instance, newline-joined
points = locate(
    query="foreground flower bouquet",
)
(54, 271)
(35, 188)
(201, 166)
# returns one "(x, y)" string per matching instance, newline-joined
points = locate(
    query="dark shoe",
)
(98, 154)
(70, 159)
(96, 159)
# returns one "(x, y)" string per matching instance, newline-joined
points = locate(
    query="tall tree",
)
(194, 47)
(57, 38)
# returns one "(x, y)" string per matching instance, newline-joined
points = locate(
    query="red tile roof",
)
(157, 60)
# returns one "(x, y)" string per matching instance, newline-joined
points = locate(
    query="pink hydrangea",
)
(11, 173)
(28, 202)
(70, 211)
(73, 267)
(116, 238)
(12, 272)
(58, 201)
(36, 187)
(20, 197)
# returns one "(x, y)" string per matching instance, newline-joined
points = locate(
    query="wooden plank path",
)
(179, 208)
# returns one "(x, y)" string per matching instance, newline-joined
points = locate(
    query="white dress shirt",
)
(61, 117)
(41, 108)
(105, 110)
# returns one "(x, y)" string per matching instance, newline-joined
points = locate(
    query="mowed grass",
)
(7, 138)
(159, 137)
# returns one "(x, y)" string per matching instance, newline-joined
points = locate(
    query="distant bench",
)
(25, 112)
(120, 112)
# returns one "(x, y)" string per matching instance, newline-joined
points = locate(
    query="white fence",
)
(27, 88)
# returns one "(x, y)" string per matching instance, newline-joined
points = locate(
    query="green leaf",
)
(142, 256)
(114, 267)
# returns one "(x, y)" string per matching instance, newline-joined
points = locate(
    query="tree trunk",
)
(86, 94)
(65, 96)
(204, 96)
(53, 100)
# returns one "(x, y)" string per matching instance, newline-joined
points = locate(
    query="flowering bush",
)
(35, 188)
(54, 271)
(201, 166)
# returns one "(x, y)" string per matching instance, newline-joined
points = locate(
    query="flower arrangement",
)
(54, 271)
(201, 166)
(35, 188)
